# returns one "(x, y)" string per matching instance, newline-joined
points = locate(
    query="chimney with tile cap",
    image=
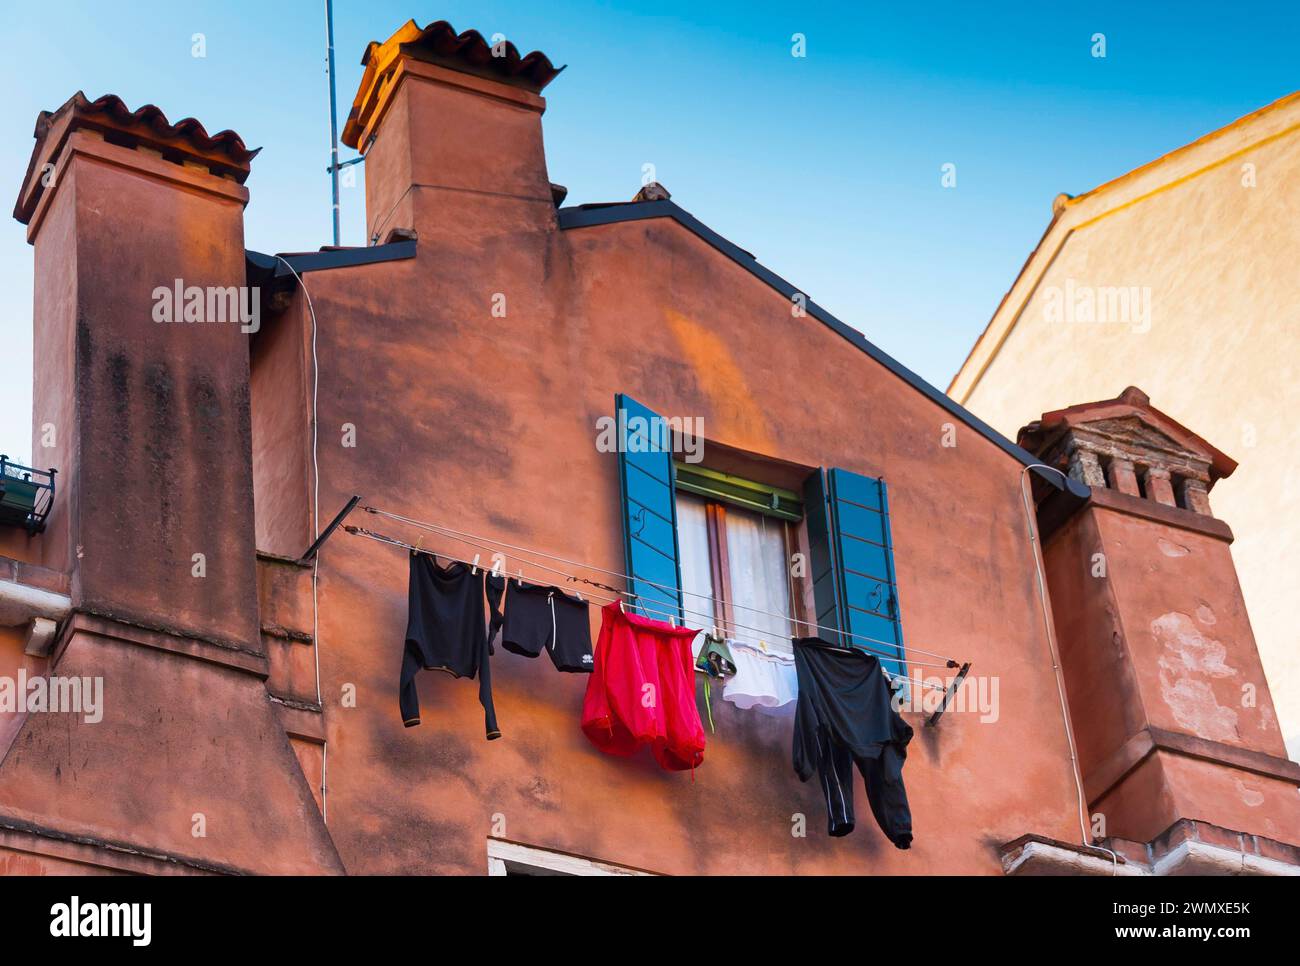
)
(151, 419)
(451, 129)
(1171, 711)
(142, 373)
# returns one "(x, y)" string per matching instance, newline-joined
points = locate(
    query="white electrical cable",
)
(315, 524)
(1036, 550)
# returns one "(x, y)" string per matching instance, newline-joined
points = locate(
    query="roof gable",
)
(586, 216)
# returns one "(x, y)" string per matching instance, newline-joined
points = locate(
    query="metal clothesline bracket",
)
(325, 534)
(948, 694)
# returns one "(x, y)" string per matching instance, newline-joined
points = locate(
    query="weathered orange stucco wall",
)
(489, 424)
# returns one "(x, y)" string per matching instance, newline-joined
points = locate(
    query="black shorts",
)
(540, 618)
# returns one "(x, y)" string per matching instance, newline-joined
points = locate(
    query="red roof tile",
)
(438, 43)
(224, 154)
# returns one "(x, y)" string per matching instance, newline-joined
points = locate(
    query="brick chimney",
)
(150, 419)
(451, 127)
(1172, 714)
(142, 386)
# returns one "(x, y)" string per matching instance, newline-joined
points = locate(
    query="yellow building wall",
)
(1220, 351)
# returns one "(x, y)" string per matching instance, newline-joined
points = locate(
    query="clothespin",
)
(474, 569)
(498, 562)
(521, 576)
(419, 543)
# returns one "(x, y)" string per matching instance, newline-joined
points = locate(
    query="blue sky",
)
(827, 167)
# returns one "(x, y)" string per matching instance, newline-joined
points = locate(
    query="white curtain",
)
(697, 578)
(759, 578)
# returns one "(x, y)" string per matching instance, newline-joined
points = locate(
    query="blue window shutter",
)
(826, 593)
(645, 475)
(854, 584)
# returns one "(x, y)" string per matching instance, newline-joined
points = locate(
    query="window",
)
(514, 858)
(701, 544)
(694, 540)
(736, 573)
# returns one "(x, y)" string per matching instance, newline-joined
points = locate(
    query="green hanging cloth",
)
(715, 661)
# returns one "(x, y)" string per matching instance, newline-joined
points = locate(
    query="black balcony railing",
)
(26, 495)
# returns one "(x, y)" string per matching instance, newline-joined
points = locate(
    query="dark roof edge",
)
(272, 279)
(332, 258)
(587, 217)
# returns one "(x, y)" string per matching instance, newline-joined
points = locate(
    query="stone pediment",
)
(1126, 444)
(1141, 441)
(1127, 427)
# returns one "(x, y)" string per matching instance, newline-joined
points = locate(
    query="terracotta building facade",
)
(460, 374)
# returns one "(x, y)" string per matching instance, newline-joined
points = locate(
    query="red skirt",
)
(642, 690)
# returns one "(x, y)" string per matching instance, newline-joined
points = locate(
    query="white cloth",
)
(759, 570)
(764, 680)
(697, 573)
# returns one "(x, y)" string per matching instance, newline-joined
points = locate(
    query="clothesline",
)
(892, 655)
(601, 598)
(464, 536)
(492, 545)
(598, 598)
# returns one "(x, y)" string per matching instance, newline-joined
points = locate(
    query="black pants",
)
(845, 716)
(883, 778)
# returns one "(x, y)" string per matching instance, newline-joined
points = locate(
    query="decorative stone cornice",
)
(1128, 445)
